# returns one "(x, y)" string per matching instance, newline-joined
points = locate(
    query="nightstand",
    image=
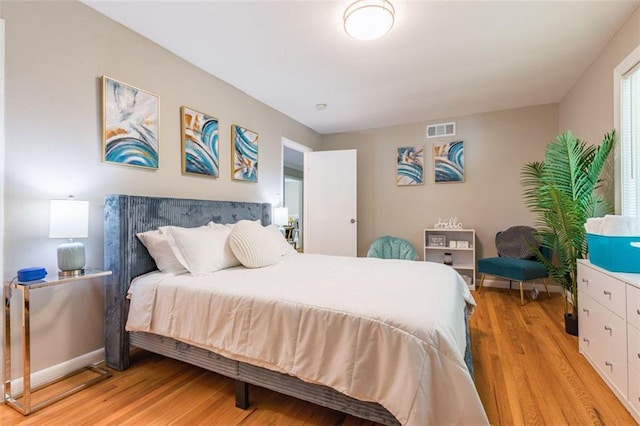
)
(22, 402)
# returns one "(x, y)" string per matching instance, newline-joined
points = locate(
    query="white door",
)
(330, 202)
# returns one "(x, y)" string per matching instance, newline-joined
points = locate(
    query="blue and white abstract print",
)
(199, 143)
(245, 154)
(449, 162)
(410, 165)
(130, 125)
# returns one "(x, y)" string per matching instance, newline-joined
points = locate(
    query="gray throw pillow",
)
(512, 242)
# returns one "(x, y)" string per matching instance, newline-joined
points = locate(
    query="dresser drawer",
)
(633, 336)
(634, 390)
(607, 326)
(605, 289)
(609, 364)
(633, 305)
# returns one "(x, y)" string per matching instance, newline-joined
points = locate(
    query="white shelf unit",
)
(464, 258)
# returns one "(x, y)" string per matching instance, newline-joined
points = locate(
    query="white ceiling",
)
(441, 59)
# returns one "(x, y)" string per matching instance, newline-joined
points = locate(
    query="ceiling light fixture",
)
(369, 19)
(321, 107)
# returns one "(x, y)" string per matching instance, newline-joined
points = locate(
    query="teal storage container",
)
(615, 254)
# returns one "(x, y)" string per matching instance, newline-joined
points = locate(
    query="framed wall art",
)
(244, 153)
(410, 165)
(199, 143)
(130, 125)
(448, 162)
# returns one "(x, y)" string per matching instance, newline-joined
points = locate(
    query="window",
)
(627, 117)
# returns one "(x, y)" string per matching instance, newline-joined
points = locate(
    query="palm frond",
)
(560, 192)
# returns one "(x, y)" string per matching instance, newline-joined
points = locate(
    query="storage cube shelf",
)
(437, 242)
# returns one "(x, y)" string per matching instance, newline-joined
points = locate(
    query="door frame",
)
(288, 143)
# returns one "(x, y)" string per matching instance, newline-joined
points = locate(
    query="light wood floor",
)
(528, 371)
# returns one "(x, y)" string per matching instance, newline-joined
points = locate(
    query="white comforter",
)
(389, 331)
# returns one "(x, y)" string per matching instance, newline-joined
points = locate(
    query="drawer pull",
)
(607, 293)
(585, 310)
(608, 364)
(607, 328)
(584, 339)
(638, 354)
(586, 281)
(638, 311)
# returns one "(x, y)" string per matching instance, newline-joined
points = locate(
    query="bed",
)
(437, 388)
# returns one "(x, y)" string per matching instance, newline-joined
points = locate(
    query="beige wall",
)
(55, 54)
(587, 109)
(496, 146)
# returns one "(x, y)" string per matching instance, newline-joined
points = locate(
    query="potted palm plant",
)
(561, 191)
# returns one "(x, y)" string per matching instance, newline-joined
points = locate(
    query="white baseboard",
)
(51, 373)
(528, 285)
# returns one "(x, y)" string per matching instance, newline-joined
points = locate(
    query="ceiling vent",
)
(442, 129)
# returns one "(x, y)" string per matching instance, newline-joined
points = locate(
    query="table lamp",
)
(281, 216)
(69, 219)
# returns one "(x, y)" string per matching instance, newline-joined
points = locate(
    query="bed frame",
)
(127, 258)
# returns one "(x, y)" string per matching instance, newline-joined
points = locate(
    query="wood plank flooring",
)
(528, 372)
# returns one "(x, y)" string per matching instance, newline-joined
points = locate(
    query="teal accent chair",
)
(515, 269)
(388, 247)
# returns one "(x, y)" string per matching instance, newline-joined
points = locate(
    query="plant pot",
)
(571, 324)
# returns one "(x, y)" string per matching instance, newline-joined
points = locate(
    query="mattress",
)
(385, 331)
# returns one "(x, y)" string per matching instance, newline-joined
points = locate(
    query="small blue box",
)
(31, 274)
(615, 254)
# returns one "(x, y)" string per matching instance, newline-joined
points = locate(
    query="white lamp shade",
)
(281, 216)
(369, 19)
(69, 219)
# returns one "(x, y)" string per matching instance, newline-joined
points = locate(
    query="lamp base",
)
(74, 273)
(71, 259)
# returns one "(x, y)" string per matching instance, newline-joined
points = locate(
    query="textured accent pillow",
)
(201, 250)
(158, 247)
(516, 242)
(256, 246)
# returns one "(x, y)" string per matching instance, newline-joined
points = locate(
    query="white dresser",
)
(609, 327)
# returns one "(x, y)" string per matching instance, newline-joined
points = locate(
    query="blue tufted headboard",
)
(127, 258)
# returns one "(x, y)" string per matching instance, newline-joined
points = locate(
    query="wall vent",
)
(442, 129)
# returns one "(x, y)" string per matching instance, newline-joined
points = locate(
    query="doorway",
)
(292, 186)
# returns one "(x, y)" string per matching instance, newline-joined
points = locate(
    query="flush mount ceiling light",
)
(369, 19)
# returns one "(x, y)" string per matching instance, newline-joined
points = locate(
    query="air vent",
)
(442, 129)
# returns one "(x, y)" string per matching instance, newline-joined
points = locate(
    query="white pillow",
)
(231, 225)
(215, 225)
(256, 246)
(201, 250)
(285, 248)
(158, 247)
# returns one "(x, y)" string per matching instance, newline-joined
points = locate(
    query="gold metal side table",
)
(25, 406)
